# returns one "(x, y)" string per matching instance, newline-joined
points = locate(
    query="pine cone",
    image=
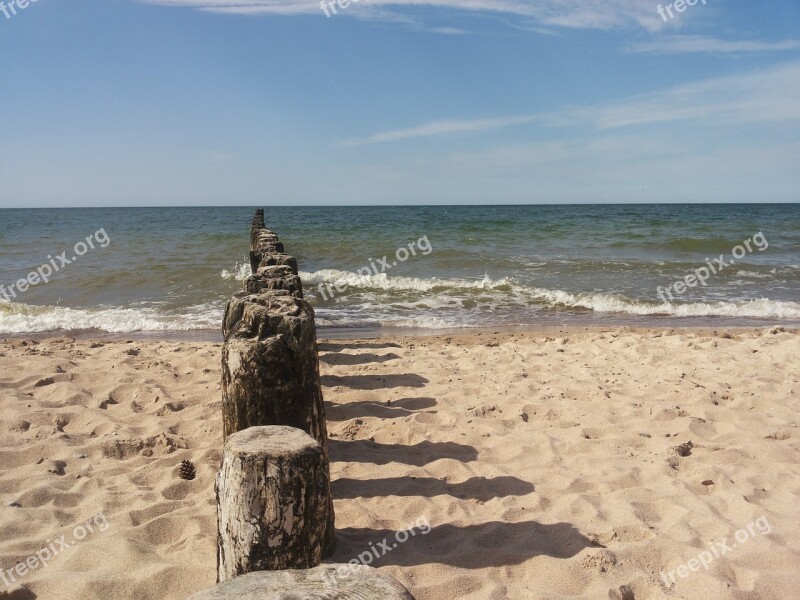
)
(187, 470)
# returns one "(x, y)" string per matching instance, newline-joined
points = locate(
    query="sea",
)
(367, 270)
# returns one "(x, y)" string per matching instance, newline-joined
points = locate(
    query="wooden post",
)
(270, 366)
(274, 278)
(320, 583)
(269, 260)
(270, 381)
(258, 225)
(266, 249)
(274, 508)
(234, 310)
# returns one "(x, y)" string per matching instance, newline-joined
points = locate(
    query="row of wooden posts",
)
(275, 517)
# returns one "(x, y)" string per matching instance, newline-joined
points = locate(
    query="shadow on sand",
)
(365, 451)
(338, 358)
(336, 346)
(22, 593)
(374, 382)
(479, 546)
(475, 488)
(403, 407)
(492, 544)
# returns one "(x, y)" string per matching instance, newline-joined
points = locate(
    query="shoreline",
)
(372, 333)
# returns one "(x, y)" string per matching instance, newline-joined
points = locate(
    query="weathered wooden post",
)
(320, 583)
(266, 248)
(270, 365)
(274, 278)
(274, 508)
(269, 260)
(257, 226)
(270, 377)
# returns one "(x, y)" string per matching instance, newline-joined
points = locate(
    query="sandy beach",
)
(567, 464)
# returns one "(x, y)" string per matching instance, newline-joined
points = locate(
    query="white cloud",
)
(575, 14)
(439, 128)
(682, 44)
(448, 31)
(755, 97)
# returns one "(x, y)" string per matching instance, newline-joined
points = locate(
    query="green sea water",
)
(172, 269)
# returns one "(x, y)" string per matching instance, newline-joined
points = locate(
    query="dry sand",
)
(546, 466)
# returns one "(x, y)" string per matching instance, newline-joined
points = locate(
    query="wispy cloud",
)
(574, 14)
(616, 167)
(440, 128)
(754, 97)
(448, 31)
(684, 44)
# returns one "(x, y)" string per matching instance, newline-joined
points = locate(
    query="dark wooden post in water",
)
(273, 502)
(266, 249)
(257, 226)
(278, 277)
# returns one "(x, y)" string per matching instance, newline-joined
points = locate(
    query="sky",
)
(273, 102)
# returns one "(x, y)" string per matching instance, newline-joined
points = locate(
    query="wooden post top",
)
(273, 440)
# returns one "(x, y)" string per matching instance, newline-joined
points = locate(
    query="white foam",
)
(433, 303)
(508, 291)
(240, 272)
(23, 318)
(382, 281)
(755, 274)
(606, 303)
(421, 322)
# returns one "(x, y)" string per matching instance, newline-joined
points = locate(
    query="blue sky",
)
(190, 102)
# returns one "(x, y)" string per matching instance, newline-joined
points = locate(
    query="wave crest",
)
(508, 292)
(24, 318)
(240, 272)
